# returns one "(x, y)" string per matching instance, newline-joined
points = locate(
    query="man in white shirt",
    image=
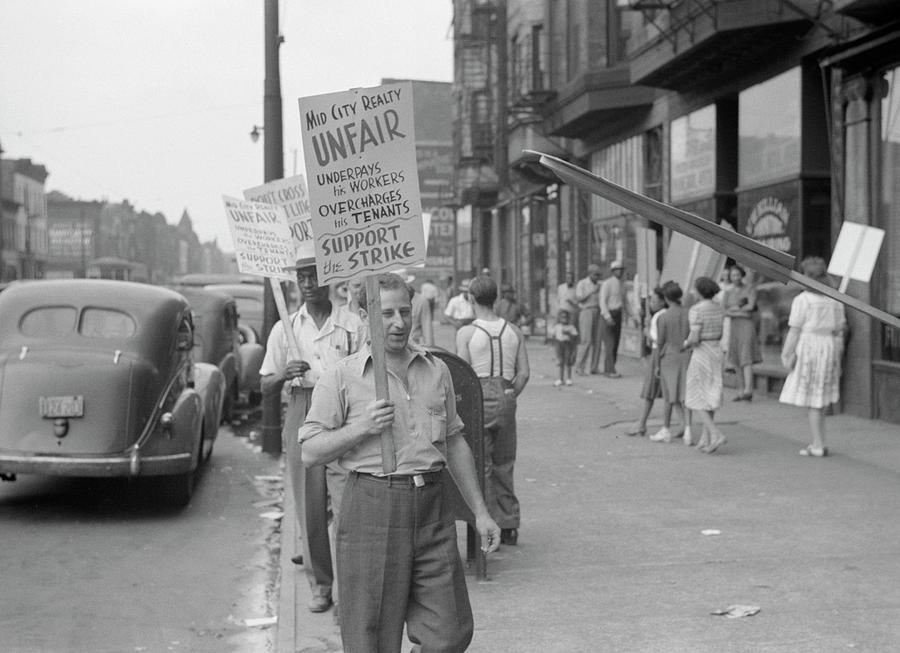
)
(565, 297)
(611, 301)
(325, 333)
(586, 292)
(430, 293)
(459, 310)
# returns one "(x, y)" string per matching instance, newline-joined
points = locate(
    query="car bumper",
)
(95, 466)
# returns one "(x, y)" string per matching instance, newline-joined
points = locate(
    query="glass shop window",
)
(890, 208)
(769, 130)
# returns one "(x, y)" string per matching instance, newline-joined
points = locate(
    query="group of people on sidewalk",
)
(378, 463)
(690, 348)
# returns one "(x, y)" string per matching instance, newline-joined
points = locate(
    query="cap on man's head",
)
(617, 265)
(593, 268)
(305, 262)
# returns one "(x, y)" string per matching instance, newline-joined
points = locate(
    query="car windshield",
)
(56, 321)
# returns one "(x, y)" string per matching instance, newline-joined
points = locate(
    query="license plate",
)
(71, 406)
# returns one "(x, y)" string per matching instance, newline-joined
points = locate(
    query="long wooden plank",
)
(751, 253)
(742, 249)
(642, 204)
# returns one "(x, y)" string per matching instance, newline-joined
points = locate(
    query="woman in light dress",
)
(703, 386)
(812, 354)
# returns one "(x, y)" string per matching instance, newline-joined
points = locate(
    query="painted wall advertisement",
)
(359, 148)
(771, 216)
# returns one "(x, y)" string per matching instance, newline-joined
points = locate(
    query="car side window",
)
(49, 321)
(184, 340)
(230, 320)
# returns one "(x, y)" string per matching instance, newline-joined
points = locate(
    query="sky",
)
(154, 102)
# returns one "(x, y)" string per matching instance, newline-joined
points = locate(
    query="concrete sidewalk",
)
(617, 553)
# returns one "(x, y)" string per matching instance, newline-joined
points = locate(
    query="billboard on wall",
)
(70, 240)
(441, 242)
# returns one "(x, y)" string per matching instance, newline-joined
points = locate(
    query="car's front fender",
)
(251, 360)
(211, 385)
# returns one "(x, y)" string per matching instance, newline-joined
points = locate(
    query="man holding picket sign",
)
(388, 412)
(324, 334)
(320, 334)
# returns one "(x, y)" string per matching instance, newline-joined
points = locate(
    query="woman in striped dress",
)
(703, 392)
(812, 354)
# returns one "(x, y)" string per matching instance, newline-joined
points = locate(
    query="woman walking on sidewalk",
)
(704, 373)
(651, 389)
(812, 354)
(673, 330)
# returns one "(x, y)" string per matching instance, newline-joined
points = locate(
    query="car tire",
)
(176, 490)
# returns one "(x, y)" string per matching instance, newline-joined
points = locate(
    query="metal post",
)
(273, 169)
(2, 244)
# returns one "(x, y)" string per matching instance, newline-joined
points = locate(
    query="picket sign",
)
(365, 209)
(263, 247)
(855, 253)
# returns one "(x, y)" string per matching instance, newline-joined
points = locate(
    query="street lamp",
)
(254, 133)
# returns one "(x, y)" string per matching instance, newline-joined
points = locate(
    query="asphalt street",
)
(629, 545)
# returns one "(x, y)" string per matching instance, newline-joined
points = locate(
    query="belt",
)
(403, 480)
(589, 308)
(295, 389)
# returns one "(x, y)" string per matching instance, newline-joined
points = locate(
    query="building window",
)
(769, 130)
(890, 206)
(693, 152)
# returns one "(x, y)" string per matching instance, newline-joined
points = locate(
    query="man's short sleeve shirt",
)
(321, 348)
(425, 416)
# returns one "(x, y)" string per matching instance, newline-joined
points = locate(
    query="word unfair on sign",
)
(291, 194)
(364, 201)
(262, 241)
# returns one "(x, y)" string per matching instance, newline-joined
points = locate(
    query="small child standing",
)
(565, 335)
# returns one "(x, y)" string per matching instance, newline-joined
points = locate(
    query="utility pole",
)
(2, 220)
(273, 153)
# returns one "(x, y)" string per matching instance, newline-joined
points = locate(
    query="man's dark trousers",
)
(611, 334)
(310, 498)
(398, 562)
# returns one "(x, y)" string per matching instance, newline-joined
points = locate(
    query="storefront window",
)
(890, 207)
(890, 186)
(769, 130)
(623, 164)
(693, 147)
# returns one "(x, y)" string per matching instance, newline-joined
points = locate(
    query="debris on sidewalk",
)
(711, 531)
(260, 622)
(274, 515)
(737, 611)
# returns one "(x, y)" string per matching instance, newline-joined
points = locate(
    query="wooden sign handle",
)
(293, 345)
(379, 366)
